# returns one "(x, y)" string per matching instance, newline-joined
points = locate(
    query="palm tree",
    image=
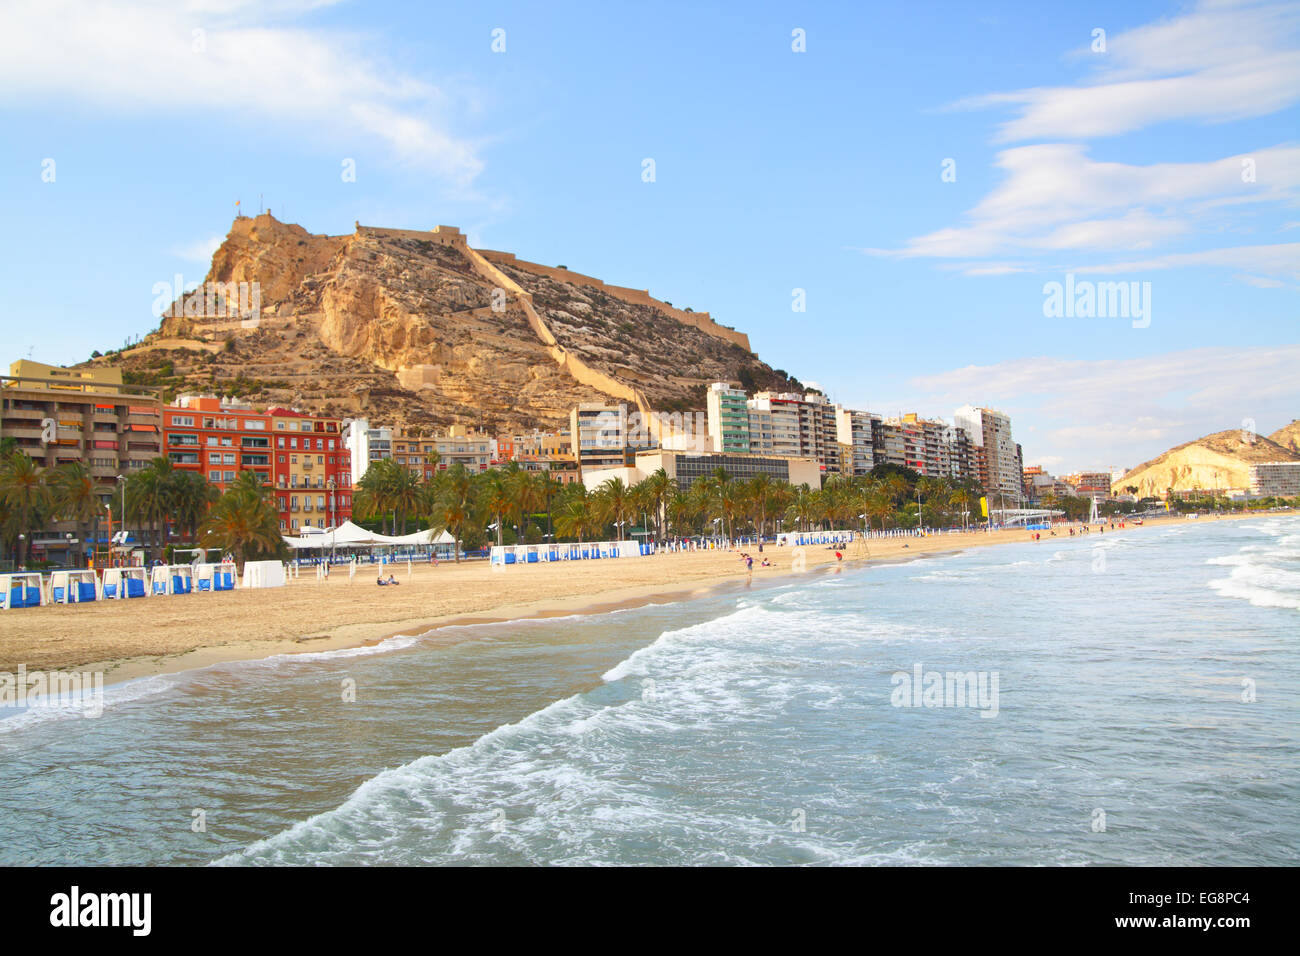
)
(74, 494)
(405, 496)
(193, 497)
(615, 502)
(659, 487)
(26, 498)
(962, 499)
(760, 490)
(497, 500)
(680, 510)
(150, 498)
(576, 515)
(449, 503)
(802, 507)
(244, 521)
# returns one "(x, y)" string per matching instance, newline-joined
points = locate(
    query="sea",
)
(1126, 698)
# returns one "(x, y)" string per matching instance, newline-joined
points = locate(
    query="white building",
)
(999, 463)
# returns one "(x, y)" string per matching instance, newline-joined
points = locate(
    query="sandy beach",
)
(128, 639)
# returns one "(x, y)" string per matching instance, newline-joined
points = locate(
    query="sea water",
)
(1140, 704)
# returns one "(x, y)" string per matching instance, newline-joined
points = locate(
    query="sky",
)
(882, 196)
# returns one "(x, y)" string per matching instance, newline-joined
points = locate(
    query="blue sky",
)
(775, 170)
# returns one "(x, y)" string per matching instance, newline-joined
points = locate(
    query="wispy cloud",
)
(1055, 198)
(235, 58)
(1221, 61)
(1124, 411)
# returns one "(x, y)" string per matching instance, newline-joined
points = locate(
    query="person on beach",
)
(839, 557)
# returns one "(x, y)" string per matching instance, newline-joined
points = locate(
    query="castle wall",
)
(698, 320)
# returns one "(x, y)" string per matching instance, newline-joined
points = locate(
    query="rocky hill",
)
(1288, 436)
(418, 328)
(1215, 462)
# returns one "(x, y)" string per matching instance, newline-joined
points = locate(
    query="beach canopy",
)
(353, 535)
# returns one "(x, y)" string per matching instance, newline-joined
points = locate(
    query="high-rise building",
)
(854, 433)
(997, 458)
(601, 437)
(728, 414)
(1277, 479)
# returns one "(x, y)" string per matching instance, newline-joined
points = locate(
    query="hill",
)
(418, 328)
(1214, 462)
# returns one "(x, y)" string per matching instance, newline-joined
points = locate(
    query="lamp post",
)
(121, 518)
(68, 537)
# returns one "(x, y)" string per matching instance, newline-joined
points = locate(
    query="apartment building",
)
(541, 451)
(218, 439)
(854, 432)
(312, 470)
(299, 456)
(997, 456)
(58, 416)
(1278, 479)
(728, 414)
(1090, 484)
(601, 438)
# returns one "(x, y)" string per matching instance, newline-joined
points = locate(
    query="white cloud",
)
(1125, 411)
(144, 56)
(1260, 282)
(1055, 197)
(1221, 61)
(1276, 259)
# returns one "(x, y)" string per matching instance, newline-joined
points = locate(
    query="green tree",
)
(26, 498)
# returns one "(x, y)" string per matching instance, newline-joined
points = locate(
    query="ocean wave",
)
(115, 695)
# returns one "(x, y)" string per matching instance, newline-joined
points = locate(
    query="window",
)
(230, 475)
(279, 442)
(320, 501)
(214, 458)
(214, 476)
(228, 458)
(331, 444)
(255, 426)
(226, 441)
(305, 426)
(293, 443)
(320, 444)
(211, 440)
(281, 459)
(293, 459)
(184, 421)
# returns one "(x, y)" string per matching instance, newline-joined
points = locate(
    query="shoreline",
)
(475, 595)
(121, 670)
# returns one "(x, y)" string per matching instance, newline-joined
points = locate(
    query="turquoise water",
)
(754, 727)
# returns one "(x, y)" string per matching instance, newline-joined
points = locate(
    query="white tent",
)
(352, 535)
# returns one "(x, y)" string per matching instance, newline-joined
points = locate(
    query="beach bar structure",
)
(21, 589)
(349, 535)
(588, 551)
(214, 576)
(73, 587)
(119, 583)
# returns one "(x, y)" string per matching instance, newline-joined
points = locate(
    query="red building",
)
(299, 456)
